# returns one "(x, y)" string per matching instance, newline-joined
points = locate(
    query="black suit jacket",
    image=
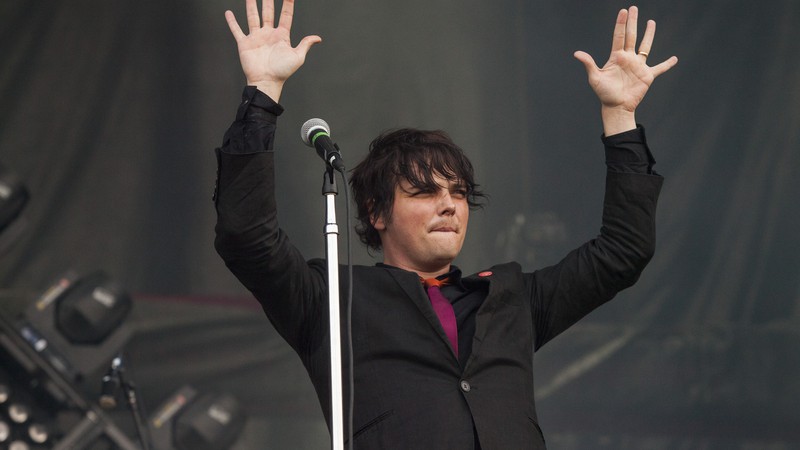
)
(410, 391)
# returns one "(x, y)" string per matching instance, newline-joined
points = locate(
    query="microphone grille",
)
(310, 126)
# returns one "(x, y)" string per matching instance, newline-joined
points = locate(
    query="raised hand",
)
(623, 81)
(266, 53)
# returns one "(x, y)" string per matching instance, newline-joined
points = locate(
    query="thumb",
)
(307, 42)
(587, 61)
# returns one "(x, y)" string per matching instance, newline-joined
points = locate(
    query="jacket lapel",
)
(409, 282)
(502, 283)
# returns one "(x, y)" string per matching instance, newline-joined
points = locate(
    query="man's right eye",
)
(419, 192)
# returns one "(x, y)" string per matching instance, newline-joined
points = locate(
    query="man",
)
(464, 379)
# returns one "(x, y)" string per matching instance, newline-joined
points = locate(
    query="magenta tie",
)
(444, 310)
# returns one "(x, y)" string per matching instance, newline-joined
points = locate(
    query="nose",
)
(447, 207)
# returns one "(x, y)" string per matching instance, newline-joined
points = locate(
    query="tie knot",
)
(430, 282)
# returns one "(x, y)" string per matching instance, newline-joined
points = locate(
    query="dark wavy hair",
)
(412, 155)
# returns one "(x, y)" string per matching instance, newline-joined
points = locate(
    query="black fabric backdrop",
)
(110, 112)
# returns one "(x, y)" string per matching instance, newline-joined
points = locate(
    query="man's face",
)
(426, 229)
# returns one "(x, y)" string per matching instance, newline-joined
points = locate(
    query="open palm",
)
(266, 53)
(625, 78)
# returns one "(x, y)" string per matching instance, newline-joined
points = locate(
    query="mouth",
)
(444, 229)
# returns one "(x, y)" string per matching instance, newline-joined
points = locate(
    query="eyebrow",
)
(428, 187)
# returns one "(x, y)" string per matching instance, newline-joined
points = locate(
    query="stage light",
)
(13, 196)
(191, 421)
(78, 323)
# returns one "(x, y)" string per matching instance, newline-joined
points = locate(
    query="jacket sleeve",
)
(596, 271)
(248, 237)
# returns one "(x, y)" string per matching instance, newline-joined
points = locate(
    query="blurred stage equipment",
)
(40, 408)
(77, 324)
(116, 381)
(190, 421)
(73, 329)
(13, 196)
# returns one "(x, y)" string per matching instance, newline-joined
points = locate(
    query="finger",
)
(647, 39)
(664, 66)
(253, 21)
(630, 29)
(618, 39)
(287, 12)
(236, 30)
(587, 60)
(268, 13)
(307, 42)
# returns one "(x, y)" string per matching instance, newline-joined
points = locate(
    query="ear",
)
(378, 222)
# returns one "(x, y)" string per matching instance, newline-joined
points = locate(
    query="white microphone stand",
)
(332, 256)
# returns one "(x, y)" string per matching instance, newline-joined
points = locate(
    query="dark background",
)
(110, 111)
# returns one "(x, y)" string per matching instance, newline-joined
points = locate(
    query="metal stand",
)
(332, 256)
(129, 389)
(116, 379)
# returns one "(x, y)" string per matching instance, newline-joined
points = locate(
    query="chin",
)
(445, 246)
(447, 254)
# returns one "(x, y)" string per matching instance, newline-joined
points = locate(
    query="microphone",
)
(316, 133)
(111, 384)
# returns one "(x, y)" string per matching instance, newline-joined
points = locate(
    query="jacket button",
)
(465, 386)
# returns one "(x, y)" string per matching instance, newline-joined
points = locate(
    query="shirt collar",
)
(454, 274)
